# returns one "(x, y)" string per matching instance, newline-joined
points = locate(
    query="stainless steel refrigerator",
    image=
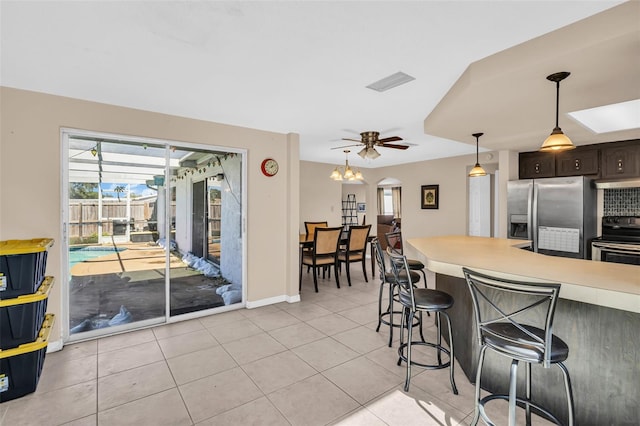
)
(557, 214)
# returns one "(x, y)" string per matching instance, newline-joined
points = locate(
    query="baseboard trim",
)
(272, 301)
(55, 346)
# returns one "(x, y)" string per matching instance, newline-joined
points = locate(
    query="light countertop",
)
(601, 283)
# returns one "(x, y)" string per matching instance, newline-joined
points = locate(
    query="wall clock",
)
(269, 167)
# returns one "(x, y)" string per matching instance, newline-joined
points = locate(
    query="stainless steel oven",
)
(620, 240)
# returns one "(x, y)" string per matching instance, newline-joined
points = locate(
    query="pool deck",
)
(137, 257)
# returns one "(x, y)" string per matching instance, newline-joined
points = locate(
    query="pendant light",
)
(557, 141)
(477, 170)
(349, 174)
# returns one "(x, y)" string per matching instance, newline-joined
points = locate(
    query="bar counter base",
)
(603, 362)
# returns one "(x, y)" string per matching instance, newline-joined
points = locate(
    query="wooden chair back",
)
(358, 235)
(310, 227)
(326, 240)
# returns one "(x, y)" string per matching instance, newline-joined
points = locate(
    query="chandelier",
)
(348, 174)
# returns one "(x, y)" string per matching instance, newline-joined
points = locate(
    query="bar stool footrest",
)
(416, 320)
(521, 403)
(403, 357)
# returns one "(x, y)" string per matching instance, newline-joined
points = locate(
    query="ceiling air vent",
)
(390, 82)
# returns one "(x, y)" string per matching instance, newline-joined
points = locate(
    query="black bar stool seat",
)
(427, 299)
(523, 349)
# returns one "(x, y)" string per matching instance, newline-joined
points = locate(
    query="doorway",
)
(140, 228)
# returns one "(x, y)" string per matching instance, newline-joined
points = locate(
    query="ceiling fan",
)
(371, 140)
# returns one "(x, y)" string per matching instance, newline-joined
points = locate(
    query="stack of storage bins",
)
(24, 323)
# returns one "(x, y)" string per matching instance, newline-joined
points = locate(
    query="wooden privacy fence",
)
(83, 216)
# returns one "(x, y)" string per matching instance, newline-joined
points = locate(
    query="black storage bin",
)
(22, 266)
(22, 317)
(20, 367)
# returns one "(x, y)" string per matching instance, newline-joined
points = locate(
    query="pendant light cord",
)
(557, 101)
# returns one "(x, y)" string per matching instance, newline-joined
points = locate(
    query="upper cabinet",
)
(537, 165)
(607, 160)
(577, 162)
(621, 160)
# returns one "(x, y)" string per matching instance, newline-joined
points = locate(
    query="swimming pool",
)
(80, 254)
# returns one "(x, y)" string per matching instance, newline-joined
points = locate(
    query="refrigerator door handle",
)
(533, 216)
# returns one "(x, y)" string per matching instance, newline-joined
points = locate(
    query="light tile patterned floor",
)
(317, 362)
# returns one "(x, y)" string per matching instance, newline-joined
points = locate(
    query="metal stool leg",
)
(439, 337)
(513, 379)
(528, 395)
(391, 289)
(451, 356)
(567, 385)
(380, 307)
(476, 415)
(409, 325)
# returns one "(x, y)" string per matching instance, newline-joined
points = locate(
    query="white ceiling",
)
(283, 66)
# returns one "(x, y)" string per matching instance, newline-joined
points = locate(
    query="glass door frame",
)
(65, 134)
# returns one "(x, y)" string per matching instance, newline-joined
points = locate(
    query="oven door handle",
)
(616, 249)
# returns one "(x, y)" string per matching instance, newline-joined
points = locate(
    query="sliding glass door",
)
(145, 235)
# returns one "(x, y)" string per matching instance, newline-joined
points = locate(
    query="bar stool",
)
(387, 277)
(499, 305)
(417, 300)
(394, 241)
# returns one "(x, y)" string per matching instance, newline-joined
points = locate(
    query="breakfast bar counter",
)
(598, 316)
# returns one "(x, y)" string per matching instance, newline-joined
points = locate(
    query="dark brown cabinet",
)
(536, 165)
(612, 160)
(578, 162)
(621, 160)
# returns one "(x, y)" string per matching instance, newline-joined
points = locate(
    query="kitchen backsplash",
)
(622, 202)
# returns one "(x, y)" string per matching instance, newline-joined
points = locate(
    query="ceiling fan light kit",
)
(369, 152)
(557, 140)
(477, 170)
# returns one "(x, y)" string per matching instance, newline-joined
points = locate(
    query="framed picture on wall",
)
(362, 207)
(430, 195)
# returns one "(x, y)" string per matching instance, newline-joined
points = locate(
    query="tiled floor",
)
(316, 362)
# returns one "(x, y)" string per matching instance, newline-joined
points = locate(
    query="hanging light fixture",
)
(348, 174)
(557, 141)
(477, 169)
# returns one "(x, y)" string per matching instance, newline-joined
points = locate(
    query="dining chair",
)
(323, 253)
(355, 249)
(309, 227)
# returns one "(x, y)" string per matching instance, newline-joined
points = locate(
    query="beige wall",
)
(319, 196)
(449, 173)
(30, 180)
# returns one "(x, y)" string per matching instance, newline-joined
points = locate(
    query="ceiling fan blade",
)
(347, 146)
(389, 145)
(390, 139)
(355, 140)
